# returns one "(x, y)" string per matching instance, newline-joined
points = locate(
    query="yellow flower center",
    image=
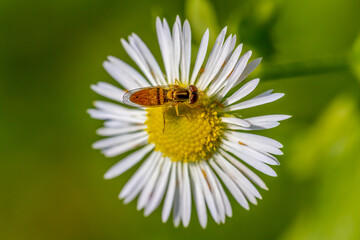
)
(189, 138)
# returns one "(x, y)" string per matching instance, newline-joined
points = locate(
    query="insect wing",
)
(128, 94)
(143, 97)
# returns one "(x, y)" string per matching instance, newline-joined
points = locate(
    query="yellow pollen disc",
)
(185, 139)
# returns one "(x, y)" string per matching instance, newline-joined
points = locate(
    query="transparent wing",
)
(127, 95)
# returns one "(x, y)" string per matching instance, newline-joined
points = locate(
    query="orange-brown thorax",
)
(156, 96)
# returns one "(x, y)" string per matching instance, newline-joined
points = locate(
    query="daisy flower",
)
(204, 157)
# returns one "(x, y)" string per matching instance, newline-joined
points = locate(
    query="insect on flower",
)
(167, 96)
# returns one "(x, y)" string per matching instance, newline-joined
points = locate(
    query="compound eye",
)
(193, 89)
(194, 94)
(194, 97)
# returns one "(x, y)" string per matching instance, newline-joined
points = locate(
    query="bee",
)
(171, 95)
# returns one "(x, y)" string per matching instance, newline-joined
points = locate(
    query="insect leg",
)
(191, 106)
(165, 109)
(177, 82)
(177, 112)
(219, 104)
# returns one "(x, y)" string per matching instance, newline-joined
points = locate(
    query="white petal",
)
(109, 91)
(232, 80)
(218, 63)
(112, 141)
(117, 109)
(245, 170)
(98, 114)
(199, 198)
(177, 20)
(228, 209)
(260, 139)
(248, 69)
(135, 183)
(139, 60)
(164, 47)
(200, 56)
(270, 156)
(235, 121)
(149, 186)
(148, 56)
(117, 150)
(232, 46)
(117, 124)
(263, 147)
(234, 190)
(145, 60)
(169, 198)
(259, 126)
(242, 92)
(159, 189)
(130, 72)
(231, 49)
(177, 209)
(266, 93)
(255, 102)
(226, 71)
(117, 131)
(186, 53)
(262, 167)
(215, 52)
(128, 162)
(253, 152)
(178, 196)
(116, 73)
(210, 202)
(250, 153)
(186, 204)
(268, 118)
(211, 70)
(243, 183)
(170, 49)
(214, 190)
(176, 38)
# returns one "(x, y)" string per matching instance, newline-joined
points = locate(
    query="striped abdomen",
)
(153, 96)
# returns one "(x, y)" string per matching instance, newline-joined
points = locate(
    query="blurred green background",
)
(51, 184)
